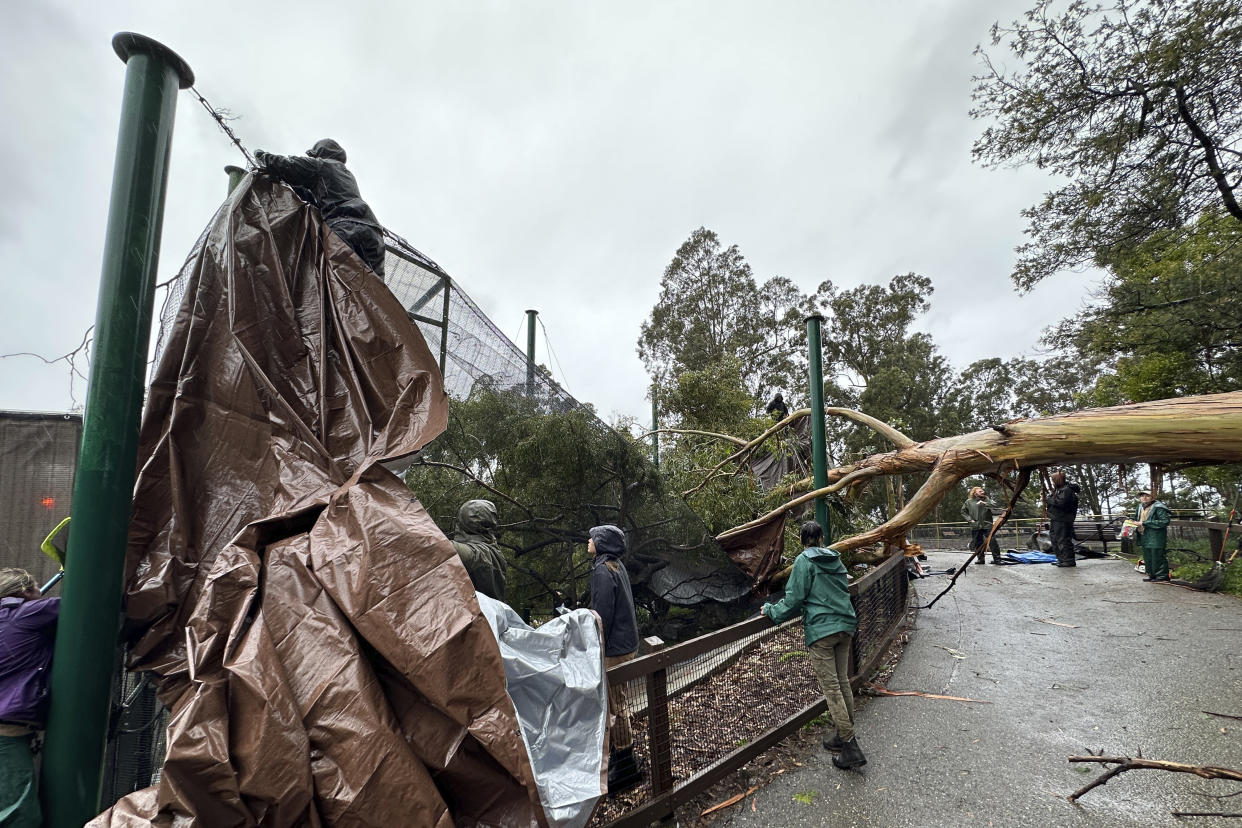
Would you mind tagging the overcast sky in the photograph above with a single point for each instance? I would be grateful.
(551, 155)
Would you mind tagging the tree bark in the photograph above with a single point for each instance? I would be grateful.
(1196, 430)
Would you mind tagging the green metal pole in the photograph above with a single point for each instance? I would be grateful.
(90, 614)
(655, 426)
(819, 446)
(236, 174)
(530, 351)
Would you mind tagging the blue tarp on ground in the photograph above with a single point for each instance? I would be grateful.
(1029, 557)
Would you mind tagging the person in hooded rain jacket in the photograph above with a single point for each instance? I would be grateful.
(475, 543)
(1153, 518)
(977, 511)
(27, 635)
(613, 600)
(323, 179)
(819, 590)
(1062, 509)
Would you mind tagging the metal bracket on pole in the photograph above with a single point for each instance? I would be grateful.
(90, 612)
(819, 445)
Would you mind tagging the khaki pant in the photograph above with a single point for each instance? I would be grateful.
(619, 732)
(831, 658)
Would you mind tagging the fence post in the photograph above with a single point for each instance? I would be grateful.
(85, 652)
(819, 447)
(444, 325)
(659, 739)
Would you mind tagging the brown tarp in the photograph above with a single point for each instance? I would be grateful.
(757, 551)
(315, 637)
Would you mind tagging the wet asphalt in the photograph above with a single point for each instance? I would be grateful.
(1133, 671)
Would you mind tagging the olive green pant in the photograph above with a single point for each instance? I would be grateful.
(1155, 562)
(831, 658)
(19, 798)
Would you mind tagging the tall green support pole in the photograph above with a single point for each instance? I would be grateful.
(655, 426)
(86, 636)
(235, 174)
(530, 352)
(819, 446)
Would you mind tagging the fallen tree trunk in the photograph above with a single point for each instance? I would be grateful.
(1189, 430)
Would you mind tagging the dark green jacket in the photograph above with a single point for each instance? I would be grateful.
(819, 589)
(1155, 528)
(475, 544)
(978, 513)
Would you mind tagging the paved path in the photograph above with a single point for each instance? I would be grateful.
(1141, 663)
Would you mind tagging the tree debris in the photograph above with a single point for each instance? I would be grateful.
(884, 691)
(1128, 763)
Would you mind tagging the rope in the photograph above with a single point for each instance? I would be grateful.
(222, 117)
(548, 342)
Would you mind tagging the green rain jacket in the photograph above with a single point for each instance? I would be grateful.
(818, 588)
(475, 543)
(1155, 528)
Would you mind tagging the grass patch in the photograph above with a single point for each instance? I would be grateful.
(792, 654)
(806, 797)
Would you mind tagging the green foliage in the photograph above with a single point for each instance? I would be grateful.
(806, 797)
(1135, 104)
(553, 474)
(793, 655)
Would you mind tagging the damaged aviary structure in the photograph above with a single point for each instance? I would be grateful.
(318, 644)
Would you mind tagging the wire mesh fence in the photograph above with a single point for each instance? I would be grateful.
(38, 454)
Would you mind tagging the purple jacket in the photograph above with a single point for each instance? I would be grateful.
(27, 632)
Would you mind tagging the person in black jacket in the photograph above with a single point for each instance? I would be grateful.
(613, 601)
(1062, 509)
(323, 179)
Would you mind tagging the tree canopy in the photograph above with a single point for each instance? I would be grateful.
(1137, 105)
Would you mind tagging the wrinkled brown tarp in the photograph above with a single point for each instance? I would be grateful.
(313, 633)
(757, 551)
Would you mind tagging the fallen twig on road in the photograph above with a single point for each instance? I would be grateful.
(1056, 623)
(733, 800)
(1223, 715)
(884, 691)
(1128, 763)
(1206, 813)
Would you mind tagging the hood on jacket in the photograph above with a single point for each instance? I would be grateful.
(609, 540)
(829, 560)
(477, 517)
(327, 148)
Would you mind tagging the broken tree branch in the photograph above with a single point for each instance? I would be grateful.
(1128, 763)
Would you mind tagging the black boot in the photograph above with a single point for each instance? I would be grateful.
(851, 756)
(997, 559)
(624, 771)
(834, 743)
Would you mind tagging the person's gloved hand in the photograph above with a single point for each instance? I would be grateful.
(764, 610)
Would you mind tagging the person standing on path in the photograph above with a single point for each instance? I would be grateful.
(613, 600)
(978, 512)
(1153, 519)
(819, 590)
(1062, 510)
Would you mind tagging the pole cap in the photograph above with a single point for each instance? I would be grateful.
(532, 310)
(818, 316)
(126, 44)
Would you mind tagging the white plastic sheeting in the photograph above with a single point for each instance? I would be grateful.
(555, 676)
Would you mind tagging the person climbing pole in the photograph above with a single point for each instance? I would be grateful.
(323, 179)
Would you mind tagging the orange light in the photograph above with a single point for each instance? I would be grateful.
(48, 502)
